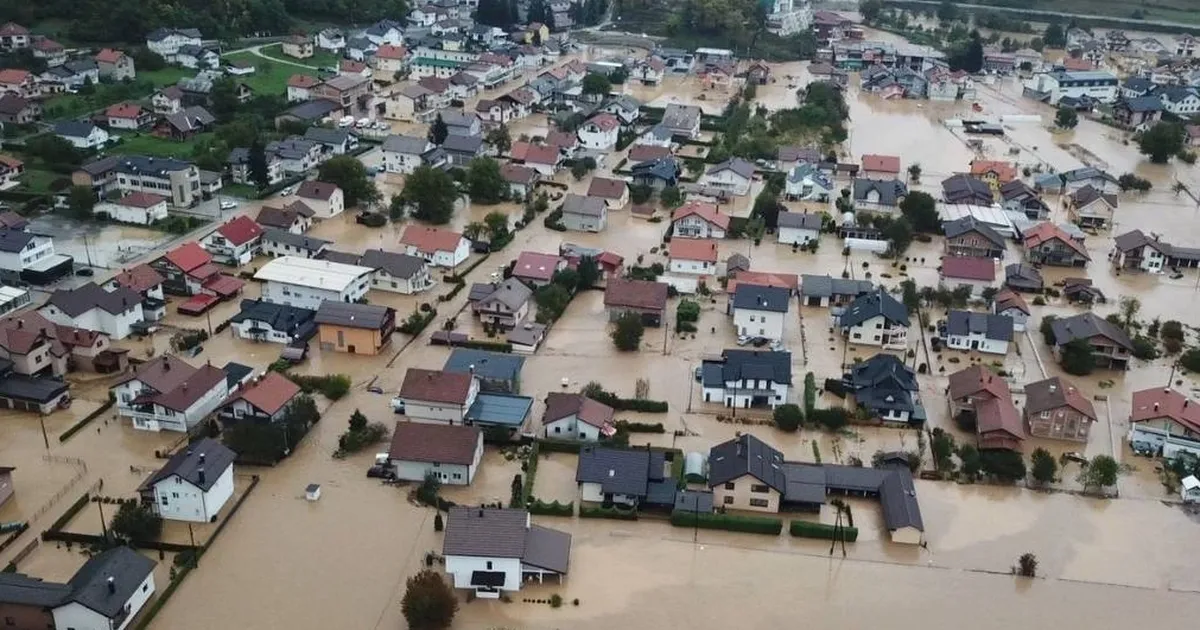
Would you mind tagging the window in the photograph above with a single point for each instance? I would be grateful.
(728, 500)
(145, 587)
(759, 488)
(489, 565)
(174, 495)
(762, 503)
(458, 475)
(436, 465)
(729, 485)
(857, 335)
(1045, 415)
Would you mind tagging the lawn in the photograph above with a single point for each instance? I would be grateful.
(146, 144)
(270, 77)
(169, 75)
(321, 58)
(38, 181)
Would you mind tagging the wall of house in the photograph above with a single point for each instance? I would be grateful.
(693, 226)
(963, 342)
(1018, 316)
(570, 428)
(759, 323)
(1063, 423)
(354, 340)
(907, 536)
(384, 281)
(80, 617)
(311, 297)
(461, 567)
(739, 496)
(582, 223)
(448, 474)
(977, 286)
(727, 180)
(871, 331)
(697, 267)
(177, 500)
(797, 236)
(434, 413)
(241, 330)
(25, 617)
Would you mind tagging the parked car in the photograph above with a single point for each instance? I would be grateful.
(380, 471)
(86, 272)
(228, 205)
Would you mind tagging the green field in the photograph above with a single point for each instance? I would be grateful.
(169, 75)
(38, 181)
(146, 144)
(321, 59)
(1182, 11)
(270, 77)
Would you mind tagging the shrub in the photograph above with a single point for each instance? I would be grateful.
(730, 522)
(788, 417)
(553, 508)
(428, 601)
(809, 529)
(597, 393)
(556, 601)
(640, 427)
(547, 445)
(831, 419)
(614, 513)
(810, 394)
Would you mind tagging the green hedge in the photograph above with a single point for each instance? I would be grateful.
(809, 529)
(553, 508)
(730, 522)
(547, 445)
(614, 513)
(494, 346)
(78, 426)
(810, 394)
(641, 427)
(629, 404)
(530, 472)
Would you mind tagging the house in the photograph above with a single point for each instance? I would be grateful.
(14, 37)
(644, 297)
(614, 192)
(1164, 420)
(697, 219)
(626, 108)
(267, 400)
(1111, 346)
(1139, 113)
(451, 453)
(18, 82)
(333, 141)
(584, 214)
(806, 182)
(354, 328)
(658, 173)
(1056, 409)
(115, 65)
(396, 272)
(973, 385)
(108, 591)
(1011, 305)
(967, 189)
(299, 87)
(1088, 176)
(236, 242)
(825, 291)
(195, 483)
(167, 394)
(134, 173)
(733, 176)
(81, 135)
(1134, 251)
(497, 372)
(682, 120)
(138, 208)
(1180, 100)
(876, 166)
(521, 180)
(298, 46)
(277, 242)
(307, 283)
(436, 397)
(875, 319)
(746, 474)
(537, 269)
(505, 305)
(489, 550)
(311, 112)
(10, 169)
(127, 116)
(639, 153)
(167, 41)
(345, 90)
(526, 338)
(1052, 87)
(147, 283)
(629, 478)
(599, 133)
(294, 218)
(649, 70)
(325, 199)
(403, 154)
(1019, 196)
(760, 311)
(185, 269)
(1081, 291)
(35, 346)
(799, 228)
(878, 195)
(19, 111)
(693, 256)
(963, 271)
(1048, 244)
(296, 155)
(970, 237)
(1090, 208)
(6, 493)
(1023, 277)
(90, 307)
(460, 150)
(29, 257)
(984, 332)
(887, 389)
(441, 248)
(543, 158)
(259, 320)
(996, 173)
(742, 379)
(167, 101)
(385, 31)
(576, 417)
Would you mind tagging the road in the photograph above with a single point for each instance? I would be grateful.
(257, 52)
(1041, 13)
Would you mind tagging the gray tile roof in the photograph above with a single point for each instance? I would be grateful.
(993, 327)
(826, 286)
(502, 410)
(961, 226)
(327, 136)
(1023, 275)
(485, 532)
(463, 144)
(496, 366)
(965, 188)
(619, 471)
(394, 263)
(739, 364)
(127, 568)
(737, 165)
(746, 455)
(283, 237)
(280, 317)
(73, 128)
(883, 382)
(889, 191)
(760, 298)
(800, 220)
(678, 117)
(206, 457)
(1088, 325)
(14, 240)
(547, 549)
(512, 293)
(353, 315)
(407, 145)
(870, 305)
(75, 302)
(587, 206)
(20, 589)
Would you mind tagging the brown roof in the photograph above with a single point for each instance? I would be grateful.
(975, 380)
(998, 416)
(192, 389)
(1159, 402)
(534, 153)
(436, 386)
(434, 443)
(277, 217)
(124, 110)
(647, 152)
(430, 239)
(1044, 232)
(707, 211)
(562, 139)
(606, 188)
(536, 265)
(108, 55)
(1007, 298)
(704, 249)
(969, 267)
(161, 373)
(789, 281)
(313, 189)
(640, 294)
(141, 278)
(560, 405)
(1056, 392)
(302, 81)
(517, 174)
(138, 199)
(881, 163)
(270, 394)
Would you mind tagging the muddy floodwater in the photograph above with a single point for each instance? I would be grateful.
(341, 562)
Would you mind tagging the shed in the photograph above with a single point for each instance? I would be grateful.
(312, 492)
(694, 465)
(1189, 489)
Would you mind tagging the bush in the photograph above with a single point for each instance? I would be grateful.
(547, 445)
(640, 427)
(553, 508)
(614, 513)
(428, 601)
(416, 322)
(331, 386)
(832, 419)
(136, 522)
(1144, 348)
(493, 346)
(788, 417)
(809, 529)
(810, 394)
(730, 522)
(355, 440)
(597, 393)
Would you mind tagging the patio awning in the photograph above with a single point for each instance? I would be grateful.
(198, 304)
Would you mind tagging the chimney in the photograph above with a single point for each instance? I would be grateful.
(1156, 407)
(20, 323)
(166, 364)
(201, 457)
(112, 585)
(200, 474)
(481, 511)
(1053, 387)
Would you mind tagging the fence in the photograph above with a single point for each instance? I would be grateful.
(80, 473)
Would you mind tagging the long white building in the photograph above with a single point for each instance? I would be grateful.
(305, 282)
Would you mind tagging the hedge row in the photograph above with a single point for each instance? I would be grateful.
(641, 427)
(729, 522)
(494, 346)
(809, 529)
(614, 513)
(78, 426)
(547, 445)
(66, 517)
(629, 404)
(553, 508)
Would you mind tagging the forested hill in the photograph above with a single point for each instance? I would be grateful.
(130, 20)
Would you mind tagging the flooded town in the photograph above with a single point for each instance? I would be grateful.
(457, 319)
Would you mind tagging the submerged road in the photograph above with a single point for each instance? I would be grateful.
(1043, 13)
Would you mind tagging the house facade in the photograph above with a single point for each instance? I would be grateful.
(747, 378)
(193, 485)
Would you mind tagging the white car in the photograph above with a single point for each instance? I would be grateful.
(286, 191)
(228, 205)
(346, 121)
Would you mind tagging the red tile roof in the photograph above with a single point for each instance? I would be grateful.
(388, 51)
(108, 55)
(969, 268)
(12, 28)
(302, 81)
(606, 188)
(1007, 298)
(123, 110)
(647, 152)
(270, 394)
(12, 76)
(693, 249)
(881, 163)
(140, 199)
(998, 424)
(536, 266)
(588, 411)
(1044, 232)
(606, 122)
(517, 174)
(430, 239)
(47, 45)
(188, 256)
(639, 294)
(436, 386)
(1004, 171)
(534, 153)
(1158, 402)
(241, 230)
(975, 380)
(351, 66)
(788, 281)
(434, 443)
(141, 278)
(707, 211)
(562, 139)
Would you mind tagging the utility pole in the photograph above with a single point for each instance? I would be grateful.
(42, 420)
(103, 523)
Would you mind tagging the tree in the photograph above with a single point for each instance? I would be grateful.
(499, 139)
(588, 272)
(1066, 118)
(914, 172)
(899, 233)
(1002, 464)
(80, 201)
(551, 301)
(1129, 309)
(920, 208)
(224, 98)
(672, 197)
(53, 150)
(396, 208)
(497, 226)
(438, 130)
(136, 522)
(358, 421)
(870, 10)
(485, 184)
(1045, 467)
(1099, 473)
(1162, 141)
(582, 167)
(1047, 329)
(968, 55)
(431, 194)
(1055, 36)
(947, 12)
(474, 230)
(259, 172)
(595, 84)
(429, 603)
(788, 417)
(627, 335)
(1077, 357)
(1027, 565)
(972, 463)
(349, 174)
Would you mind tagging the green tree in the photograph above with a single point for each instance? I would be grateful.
(870, 10)
(349, 174)
(224, 99)
(972, 462)
(358, 421)
(497, 226)
(1055, 36)
(1045, 467)
(1099, 473)
(53, 150)
(1066, 118)
(899, 233)
(474, 230)
(1002, 464)
(438, 130)
(499, 139)
(588, 272)
(788, 417)
(582, 167)
(396, 208)
(920, 208)
(259, 171)
(595, 84)
(485, 184)
(80, 201)
(431, 194)
(551, 301)
(1078, 358)
(136, 522)
(968, 55)
(672, 197)
(429, 603)
(627, 335)
(1047, 329)
(1162, 141)
(1130, 306)
(947, 12)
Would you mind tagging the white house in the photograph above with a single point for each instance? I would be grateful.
(325, 199)
(82, 135)
(1051, 87)
(600, 132)
(137, 207)
(1134, 250)
(733, 176)
(693, 256)
(875, 319)
(985, 332)
(1010, 304)
(967, 271)
(167, 41)
(194, 484)
(304, 282)
(441, 248)
(236, 242)
(697, 219)
(402, 154)
(277, 242)
(108, 592)
(1181, 101)
(576, 417)
(331, 39)
(747, 378)
(275, 323)
(449, 452)
(806, 182)
(436, 397)
(798, 228)
(760, 311)
(91, 307)
(396, 272)
(166, 394)
(490, 550)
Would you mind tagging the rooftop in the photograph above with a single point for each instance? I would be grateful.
(435, 443)
(311, 273)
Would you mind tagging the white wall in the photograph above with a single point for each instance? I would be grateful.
(186, 502)
(867, 334)
(729, 398)
(570, 428)
(311, 297)
(728, 180)
(435, 413)
(241, 331)
(117, 326)
(461, 567)
(800, 236)
(963, 342)
(698, 267)
(384, 281)
(80, 617)
(754, 323)
(448, 474)
(693, 226)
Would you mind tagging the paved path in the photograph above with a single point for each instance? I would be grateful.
(257, 51)
(1062, 14)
